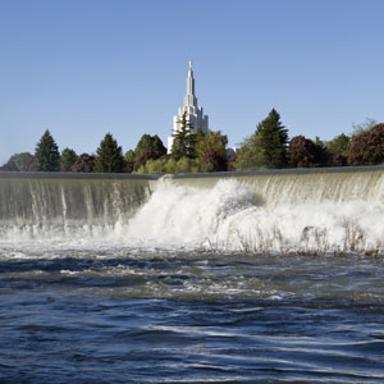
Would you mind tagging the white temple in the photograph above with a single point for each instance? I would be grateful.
(194, 114)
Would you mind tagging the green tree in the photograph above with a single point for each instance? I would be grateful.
(338, 149)
(170, 165)
(129, 158)
(184, 140)
(47, 154)
(322, 152)
(22, 162)
(367, 147)
(67, 159)
(211, 152)
(267, 147)
(148, 148)
(109, 157)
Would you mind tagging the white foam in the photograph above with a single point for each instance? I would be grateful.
(224, 218)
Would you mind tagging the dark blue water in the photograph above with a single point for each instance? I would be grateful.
(124, 316)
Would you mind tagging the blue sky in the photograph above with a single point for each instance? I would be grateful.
(84, 67)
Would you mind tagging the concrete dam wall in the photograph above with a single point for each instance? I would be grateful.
(281, 211)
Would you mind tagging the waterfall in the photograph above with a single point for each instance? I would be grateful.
(293, 211)
(40, 205)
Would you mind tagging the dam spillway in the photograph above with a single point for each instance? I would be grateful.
(297, 186)
(283, 211)
(38, 204)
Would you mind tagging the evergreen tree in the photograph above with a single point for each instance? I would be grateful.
(67, 159)
(109, 157)
(184, 140)
(267, 147)
(323, 155)
(47, 154)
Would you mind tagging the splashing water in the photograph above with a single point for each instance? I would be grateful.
(129, 280)
(272, 215)
(228, 218)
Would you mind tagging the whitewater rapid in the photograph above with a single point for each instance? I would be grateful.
(228, 217)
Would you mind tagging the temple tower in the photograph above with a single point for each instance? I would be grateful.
(194, 114)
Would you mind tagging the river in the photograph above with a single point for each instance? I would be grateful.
(242, 278)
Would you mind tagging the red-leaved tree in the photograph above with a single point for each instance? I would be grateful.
(367, 147)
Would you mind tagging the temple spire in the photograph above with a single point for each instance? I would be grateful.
(190, 80)
(190, 98)
(190, 109)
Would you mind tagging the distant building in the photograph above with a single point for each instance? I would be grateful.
(194, 114)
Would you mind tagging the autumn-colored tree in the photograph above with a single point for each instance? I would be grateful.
(9, 166)
(22, 162)
(367, 147)
(303, 153)
(84, 163)
(366, 125)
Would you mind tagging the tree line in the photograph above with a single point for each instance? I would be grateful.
(269, 147)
